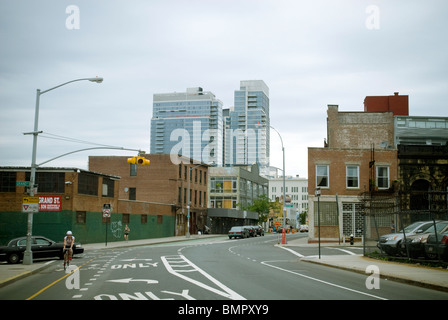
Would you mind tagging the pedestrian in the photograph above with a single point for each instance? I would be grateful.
(392, 227)
(126, 233)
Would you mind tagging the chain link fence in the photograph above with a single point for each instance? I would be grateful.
(384, 213)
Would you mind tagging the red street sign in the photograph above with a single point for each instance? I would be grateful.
(106, 213)
(50, 203)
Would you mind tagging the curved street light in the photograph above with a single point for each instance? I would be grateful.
(284, 190)
(28, 254)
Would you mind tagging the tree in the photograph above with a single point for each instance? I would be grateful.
(303, 216)
(261, 205)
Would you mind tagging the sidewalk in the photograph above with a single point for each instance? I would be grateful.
(434, 278)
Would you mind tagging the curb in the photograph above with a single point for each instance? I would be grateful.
(385, 276)
(25, 274)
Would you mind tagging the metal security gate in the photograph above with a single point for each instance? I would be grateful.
(352, 220)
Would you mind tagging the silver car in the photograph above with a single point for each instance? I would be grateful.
(390, 243)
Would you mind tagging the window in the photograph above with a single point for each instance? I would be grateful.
(42, 242)
(144, 219)
(88, 184)
(132, 194)
(8, 182)
(81, 217)
(133, 170)
(159, 219)
(108, 187)
(322, 179)
(352, 177)
(49, 181)
(382, 174)
(125, 218)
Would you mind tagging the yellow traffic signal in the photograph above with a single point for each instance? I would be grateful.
(132, 160)
(138, 160)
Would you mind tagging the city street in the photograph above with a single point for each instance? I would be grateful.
(207, 269)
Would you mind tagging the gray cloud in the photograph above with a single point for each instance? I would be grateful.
(310, 53)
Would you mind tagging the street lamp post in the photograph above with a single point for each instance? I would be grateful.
(28, 254)
(284, 189)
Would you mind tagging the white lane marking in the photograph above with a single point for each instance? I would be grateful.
(228, 293)
(290, 250)
(322, 281)
(346, 251)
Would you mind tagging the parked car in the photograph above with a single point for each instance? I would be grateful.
(415, 244)
(258, 230)
(435, 247)
(40, 246)
(303, 228)
(252, 231)
(390, 243)
(238, 232)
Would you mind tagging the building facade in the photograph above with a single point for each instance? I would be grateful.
(232, 190)
(358, 157)
(73, 199)
(188, 123)
(421, 130)
(296, 189)
(247, 138)
(163, 183)
(296, 193)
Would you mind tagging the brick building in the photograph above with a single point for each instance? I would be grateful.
(358, 155)
(162, 183)
(71, 199)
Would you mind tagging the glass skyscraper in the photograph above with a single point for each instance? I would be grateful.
(247, 132)
(189, 124)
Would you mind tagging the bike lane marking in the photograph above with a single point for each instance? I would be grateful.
(180, 262)
(65, 276)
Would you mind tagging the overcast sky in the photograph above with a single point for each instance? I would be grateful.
(310, 53)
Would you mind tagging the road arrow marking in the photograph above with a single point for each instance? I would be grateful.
(134, 280)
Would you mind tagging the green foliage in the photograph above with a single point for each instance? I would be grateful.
(262, 205)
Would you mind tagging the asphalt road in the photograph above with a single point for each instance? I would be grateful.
(209, 269)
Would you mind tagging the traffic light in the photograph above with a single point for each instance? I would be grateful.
(138, 160)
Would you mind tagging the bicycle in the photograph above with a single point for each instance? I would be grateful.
(66, 258)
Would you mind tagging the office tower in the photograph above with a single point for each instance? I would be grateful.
(247, 139)
(189, 124)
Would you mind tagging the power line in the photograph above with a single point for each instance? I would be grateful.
(73, 140)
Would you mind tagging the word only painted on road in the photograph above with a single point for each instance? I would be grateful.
(134, 265)
(148, 295)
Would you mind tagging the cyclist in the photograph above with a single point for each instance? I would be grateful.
(69, 240)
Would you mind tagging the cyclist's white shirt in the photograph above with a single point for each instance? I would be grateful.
(68, 242)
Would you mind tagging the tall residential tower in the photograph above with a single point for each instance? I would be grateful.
(189, 124)
(247, 139)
